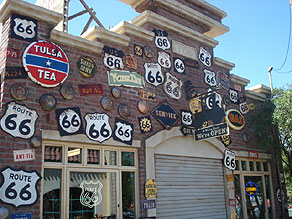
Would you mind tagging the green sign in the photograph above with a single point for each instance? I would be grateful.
(86, 66)
(125, 78)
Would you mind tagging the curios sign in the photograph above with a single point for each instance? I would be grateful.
(229, 159)
(24, 28)
(153, 74)
(19, 120)
(161, 40)
(46, 63)
(234, 119)
(113, 58)
(172, 86)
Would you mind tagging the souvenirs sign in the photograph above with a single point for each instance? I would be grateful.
(131, 62)
(210, 77)
(91, 193)
(179, 65)
(165, 114)
(186, 117)
(211, 131)
(125, 78)
(86, 66)
(172, 86)
(15, 73)
(123, 131)
(153, 74)
(97, 126)
(205, 57)
(251, 189)
(24, 28)
(113, 58)
(161, 40)
(234, 119)
(19, 188)
(229, 159)
(13, 53)
(19, 120)
(90, 89)
(138, 50)
(150, 189)
(145, 124)
(46, 63)
(147, 95)
(164, 59)
(23, 155)
(69, 121)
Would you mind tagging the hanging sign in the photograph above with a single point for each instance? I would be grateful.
(69, 121)
(145, 124)
(90, 89)
(195, 105)
(164, 59)
(172, 86)
(191, 63)
(243, 108)
(131, 62)
(46, 63)
(86, 66)
(186, 117)
(125, 78)
(147, 95)
(138, 50)
(211, 131)
(210, 78)
(253, 155)
(229, 159)
(223, 80)
(233, 95)
(15, 73)
(123, 131)
(161, 40)
(150, 189)
(148, 204)
(165, 114)
(226, 140)
(153, 74)
(113, 58)
(251, 189)
(13, 53)
(213, 99)
(24, 28)
(21, 216)
(91, 193)
(97, 126)
(23, 155)
(205, 57)
(179, 65)
(19, 188)
(234, 119)
(187, 130)
(19, 120)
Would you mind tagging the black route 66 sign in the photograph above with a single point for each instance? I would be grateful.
(123, 131)
(69, 121)
(24, 28)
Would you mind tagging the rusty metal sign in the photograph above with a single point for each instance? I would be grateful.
(131, 62)
(90, 89)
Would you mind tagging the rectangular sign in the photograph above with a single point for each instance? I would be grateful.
(125, 78)
(23, 155)
(253, 155)
(191, 63)
(148, 204)
(184, 50)
(13, 53)
(230, 178)
(90, 89)
(147, 95)
(211, 131)
(15, 73)
(21, 216)
(231, 202)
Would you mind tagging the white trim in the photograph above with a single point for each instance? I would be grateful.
(239, 80)
(255, 96)
(223, 63)
(261, 89)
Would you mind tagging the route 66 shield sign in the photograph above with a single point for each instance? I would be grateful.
(229, 160)
(91, 193)
(19, 120)
(161, 40)
(153, 74)
(210, 77)
(233, 95)
(172, 86)
(123, 131)
(97, 126)
(243, 107)
(164, 59)
(205, 57)
(19, 187)
(24, 28)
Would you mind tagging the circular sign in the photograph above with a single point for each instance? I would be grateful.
(234, 119)
(46, 63)
(86, 66)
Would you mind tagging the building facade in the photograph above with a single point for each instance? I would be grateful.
(139, 121)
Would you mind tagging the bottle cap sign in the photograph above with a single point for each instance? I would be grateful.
(46, 63)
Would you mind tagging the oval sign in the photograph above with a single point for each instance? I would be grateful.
(46, 63)
(234, 119)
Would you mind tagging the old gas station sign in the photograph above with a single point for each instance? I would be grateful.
(150, 189)
(251, 189)
(46, 63)
(86, 66)
(165, 114)
(234, 119)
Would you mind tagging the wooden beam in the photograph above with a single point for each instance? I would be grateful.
(78, 14)
(91, 13)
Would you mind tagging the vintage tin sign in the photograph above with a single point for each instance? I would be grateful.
(23, 155)
(123, 131)
(186, 117)
(19, 120)
(21, 216)
(19, 187)
(211, 131)
(15, 73)
(251, 189)
(69, 121)
(147, 95)
(90, 89)
(205, 57)
(165, 114)
(97, 126)
(125, 78)
(223, 79)
(24, 28)
(243, 108)
(187, 130)
(164, 59)
(145, 124)
(86, 66)
(153, 74)
(226, 140)
(13, 53)
(138, 50)
(172, 86)
(161, 40)
(113, 58)
(148, 204)
(233, 95)
(210, 78)
(195, 105)
(131, 62)
(234, 119)
(91, 193)
(46, 63)
(229, 159)
(179, 65)
(229, 178)
(253, 155)
(150, 189)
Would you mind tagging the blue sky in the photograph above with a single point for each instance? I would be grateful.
(257, 39)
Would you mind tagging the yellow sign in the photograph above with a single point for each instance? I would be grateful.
(233, 215)
(150, 189)
(195, 105)
(230, 178)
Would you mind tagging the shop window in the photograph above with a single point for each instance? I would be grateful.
(266, 166)
(258, 165)
(128, 198)
(53, 154)
(251, 166)
(243, 165)
(93, 156)
(128, 158)
(74, 155)
(110, 158)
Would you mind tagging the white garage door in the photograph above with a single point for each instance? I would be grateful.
(189, 187)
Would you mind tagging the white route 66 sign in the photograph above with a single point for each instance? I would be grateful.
(24, 28)
(209, 99)
(229, 159)
(162, 42)
(179, 65)
(186, 117)
(210, 77)
(113, 62)
(233, 95)
(164, 59)
(97, 126)
(19, 187)
(153, 74)
(123, 131)
(19, 120)
(205, 57)
(172, 86)
(243, 107)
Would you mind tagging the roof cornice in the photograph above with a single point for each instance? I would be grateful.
(239, 80)
(222, 63)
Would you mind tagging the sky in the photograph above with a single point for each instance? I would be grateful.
(258, 36)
